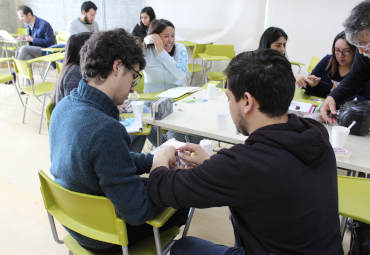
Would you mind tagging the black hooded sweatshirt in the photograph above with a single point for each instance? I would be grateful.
(280, 185)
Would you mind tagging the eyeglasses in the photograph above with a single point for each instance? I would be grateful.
(345, 52)
(136, 80)
(364, 47)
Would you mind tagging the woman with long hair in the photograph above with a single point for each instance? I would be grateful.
(147, 15)
(70, 74)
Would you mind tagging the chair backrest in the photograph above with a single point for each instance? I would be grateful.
(353, 197)
(49, 110)
(58, 67)
(199, 48)
(91, 216)
(23, 69)
(140, 87)
(220, 50)
(21, 31)
(313, 62)
(62, 36)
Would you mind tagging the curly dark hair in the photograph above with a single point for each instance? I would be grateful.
(103, 48)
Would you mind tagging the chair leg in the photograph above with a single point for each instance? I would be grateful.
(125, 250)
(157, 240)
(25, 108)
(42, 112)
(19, 95)
(188, 221)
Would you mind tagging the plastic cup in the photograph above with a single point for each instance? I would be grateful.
(137, 108)
(222, 117)
(339, 135)
(211, 91)
(207, 146)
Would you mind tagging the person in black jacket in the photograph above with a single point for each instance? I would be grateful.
(147, 15)
(357, 29)
(280, 185)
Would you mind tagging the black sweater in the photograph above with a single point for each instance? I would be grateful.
(139, 32)
(354, 81)
(281, 187)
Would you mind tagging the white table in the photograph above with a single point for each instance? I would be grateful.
(200, 118)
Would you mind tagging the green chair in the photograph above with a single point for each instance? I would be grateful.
(49, 110)
(353, 198)
(313, 62)
(62, 37)
(38, 90)
(95, 217)
(216, 53)
(9, 77)
(298, 64)
(193, 67)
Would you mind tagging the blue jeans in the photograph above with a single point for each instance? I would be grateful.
(196, 246)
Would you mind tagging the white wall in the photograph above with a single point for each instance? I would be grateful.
(235, 22)
(311, 25)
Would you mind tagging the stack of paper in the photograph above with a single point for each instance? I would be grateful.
(178, 92)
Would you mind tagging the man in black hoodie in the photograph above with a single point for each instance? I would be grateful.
(280, 185)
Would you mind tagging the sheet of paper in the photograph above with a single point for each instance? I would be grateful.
(132, 125)
(178, 92)
(301, 107)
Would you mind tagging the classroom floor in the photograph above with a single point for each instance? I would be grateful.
(24, 224)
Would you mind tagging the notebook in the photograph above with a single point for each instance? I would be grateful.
(5, 36)
(301, 107)
(178, 92)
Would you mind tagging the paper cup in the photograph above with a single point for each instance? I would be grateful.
(339, 135)
(211, 91)
(137, 108)
(207, 146)
(222, 118)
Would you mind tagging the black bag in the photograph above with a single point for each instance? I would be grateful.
(360, 239)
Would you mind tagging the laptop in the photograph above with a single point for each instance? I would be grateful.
(6, 37)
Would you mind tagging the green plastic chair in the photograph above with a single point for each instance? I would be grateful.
(62, 37)
(313, 62)
(49, 110)
(95, 217)
(40, 90)
(217, 53)
(353, 198)
(9, 77)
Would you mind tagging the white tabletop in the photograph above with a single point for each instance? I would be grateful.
(200, 118)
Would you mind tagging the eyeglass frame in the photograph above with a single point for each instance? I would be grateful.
(364, 47)
(343, 52)
(137, 79)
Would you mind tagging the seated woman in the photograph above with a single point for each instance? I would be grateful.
(147, 15)
(275, 38)
(166, 66)
(70, 75)
(332, 69)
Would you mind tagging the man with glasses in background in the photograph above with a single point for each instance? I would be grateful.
(89, 147)
(357, 29)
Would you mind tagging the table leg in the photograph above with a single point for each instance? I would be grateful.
(159, 136)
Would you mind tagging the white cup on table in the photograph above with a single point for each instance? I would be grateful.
(222, 117)
(211, 91)
(137, 109)
(339, 135)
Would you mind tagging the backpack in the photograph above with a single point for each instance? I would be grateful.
(360, 239)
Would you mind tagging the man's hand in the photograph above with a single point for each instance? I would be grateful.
(158, 43)
(312, 80)
(22, 37)
(166, 157)
(193, 154)
(121, 108)
(300, 81)
(29, 38)
(328, 109)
